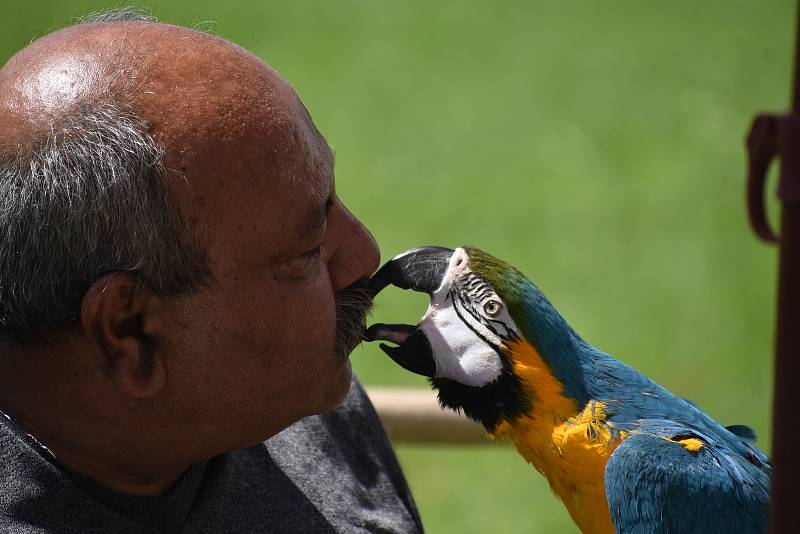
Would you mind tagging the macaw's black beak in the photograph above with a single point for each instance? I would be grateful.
(421, 269)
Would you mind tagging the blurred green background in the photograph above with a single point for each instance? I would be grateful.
(597, 146)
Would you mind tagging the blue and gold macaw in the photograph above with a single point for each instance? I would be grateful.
(621, 452)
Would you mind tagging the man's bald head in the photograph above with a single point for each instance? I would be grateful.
(110, 135)
(57, 76)
(178, 80)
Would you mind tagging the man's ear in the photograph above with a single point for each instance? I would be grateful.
(126, 326)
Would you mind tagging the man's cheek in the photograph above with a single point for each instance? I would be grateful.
(317, 312)
(318, 318)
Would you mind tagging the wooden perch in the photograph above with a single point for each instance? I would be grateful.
(414, 415)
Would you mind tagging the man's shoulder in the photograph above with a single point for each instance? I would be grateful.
(334, 472)
(345, 464)
(35, 494)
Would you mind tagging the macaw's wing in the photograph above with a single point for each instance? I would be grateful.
(684, 483)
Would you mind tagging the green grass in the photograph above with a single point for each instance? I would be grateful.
(597, 146)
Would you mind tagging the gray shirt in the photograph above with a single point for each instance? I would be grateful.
(335, 472)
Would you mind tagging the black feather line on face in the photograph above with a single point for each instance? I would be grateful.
(473, 290)
(483, 293)
(466, 305)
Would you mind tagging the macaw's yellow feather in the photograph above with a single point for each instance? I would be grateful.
(568, 445)
(690, 444)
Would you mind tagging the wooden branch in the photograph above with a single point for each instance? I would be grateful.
(414, 415)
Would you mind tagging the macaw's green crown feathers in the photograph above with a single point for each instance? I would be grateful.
(510, 284)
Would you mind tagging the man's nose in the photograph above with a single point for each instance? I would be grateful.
(356, 254)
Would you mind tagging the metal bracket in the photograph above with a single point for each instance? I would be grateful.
(771, 136)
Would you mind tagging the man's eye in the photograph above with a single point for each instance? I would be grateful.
(313, 253)
(304, 265)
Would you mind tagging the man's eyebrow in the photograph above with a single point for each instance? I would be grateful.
(319, 216)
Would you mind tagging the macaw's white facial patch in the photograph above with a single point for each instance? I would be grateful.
(460, 354)
(461, 344)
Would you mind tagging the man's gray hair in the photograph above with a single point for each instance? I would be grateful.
(120, 14)
(87, 196)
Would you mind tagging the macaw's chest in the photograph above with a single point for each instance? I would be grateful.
(572, 455)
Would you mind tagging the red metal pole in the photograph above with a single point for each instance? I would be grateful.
(779, 135)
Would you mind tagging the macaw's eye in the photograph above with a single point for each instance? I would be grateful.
(492, 307)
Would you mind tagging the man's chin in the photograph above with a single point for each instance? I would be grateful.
(339, 386)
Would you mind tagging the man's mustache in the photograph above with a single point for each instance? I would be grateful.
(353, 305)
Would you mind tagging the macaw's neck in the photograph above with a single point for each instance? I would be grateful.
(552, 359)
(546, 391)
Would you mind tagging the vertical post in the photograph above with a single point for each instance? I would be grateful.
(786, 418)
(779, 135)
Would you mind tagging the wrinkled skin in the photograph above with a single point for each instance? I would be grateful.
(238, 361)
